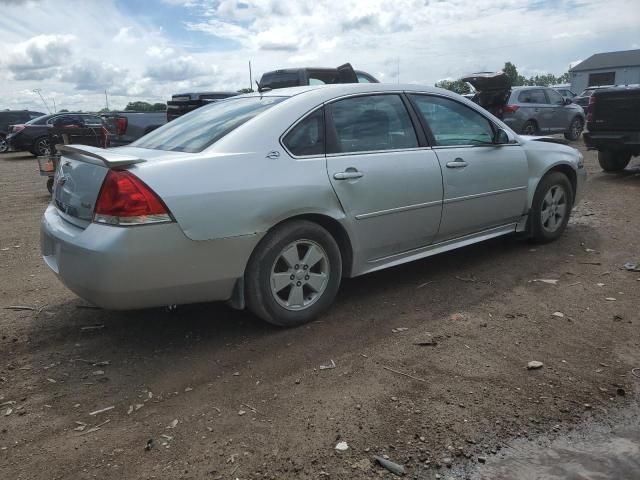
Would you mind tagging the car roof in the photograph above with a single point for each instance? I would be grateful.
(340, 89)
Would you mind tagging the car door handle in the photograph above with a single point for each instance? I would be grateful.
(347, 175)
(457, 163)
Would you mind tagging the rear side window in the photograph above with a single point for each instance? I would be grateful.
(453, 123)
(532, 96)
(204, 126)
(307, 137)
(372, 123)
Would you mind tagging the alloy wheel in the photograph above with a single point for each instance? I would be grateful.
(554, 208)
(576, 129)
(299, 275)
(529, 129)
(43, 147)
(4, 145)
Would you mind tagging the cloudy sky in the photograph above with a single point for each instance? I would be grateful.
(147, 50)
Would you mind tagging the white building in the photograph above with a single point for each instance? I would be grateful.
(611, 68)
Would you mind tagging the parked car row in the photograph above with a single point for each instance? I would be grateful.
(527, 110)
(8, 118)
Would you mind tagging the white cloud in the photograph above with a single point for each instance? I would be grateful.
(76, 50)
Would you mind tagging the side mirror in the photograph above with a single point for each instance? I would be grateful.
(567, 101)
(501, 137)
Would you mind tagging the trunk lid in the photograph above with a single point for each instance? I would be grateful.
(492, 90)
(79, 177)
(616, 109)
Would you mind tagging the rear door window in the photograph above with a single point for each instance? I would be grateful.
(452, 123)
(307, 137)
(203, 127)
(372, 123)
(535, 95)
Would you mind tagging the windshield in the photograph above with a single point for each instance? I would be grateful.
(197, 130)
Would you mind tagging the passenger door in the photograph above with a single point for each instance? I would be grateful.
(560, 120)
(388, 184)
(485, 185)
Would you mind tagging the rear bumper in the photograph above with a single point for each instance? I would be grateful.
(139, 267)
(17, 143)
(612, 140)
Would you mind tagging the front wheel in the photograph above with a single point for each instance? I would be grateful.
(613, 161)
(294, 274)
(575, 130)
(551, 207)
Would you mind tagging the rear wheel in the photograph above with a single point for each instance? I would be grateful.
(613, 161)
(575, 130)
(41, 146)
(4, 145)
(530, 128)
(294, 274)
(551, 207)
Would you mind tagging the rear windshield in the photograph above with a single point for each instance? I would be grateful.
(204, 126)
(38, 120)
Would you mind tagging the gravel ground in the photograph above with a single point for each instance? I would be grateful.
(207, 392)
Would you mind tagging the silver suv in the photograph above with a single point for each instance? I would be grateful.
(528, 110)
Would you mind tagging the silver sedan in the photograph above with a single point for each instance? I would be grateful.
(269, 200)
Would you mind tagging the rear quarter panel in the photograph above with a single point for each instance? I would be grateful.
(233, 189)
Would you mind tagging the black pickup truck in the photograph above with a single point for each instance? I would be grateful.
(613, 126)
(182, 103)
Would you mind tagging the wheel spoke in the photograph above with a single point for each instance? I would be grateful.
(280, 281)
(317, 281)
(296, 297)
(545, 216)
(552, 222)
(561, 210)
(291, 256)
(548, 198)
(313, 256)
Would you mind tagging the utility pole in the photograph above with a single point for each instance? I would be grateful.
(250, 77)
(106, 99)
(38, 90)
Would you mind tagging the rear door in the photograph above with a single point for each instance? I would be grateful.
(388, 182)
(485, 185)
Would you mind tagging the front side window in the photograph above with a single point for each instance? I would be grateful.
(307, 137)
(453, 123)
(371, 123)
(363, 78)
(204, 126)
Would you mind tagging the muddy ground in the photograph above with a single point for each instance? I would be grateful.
(208, 392)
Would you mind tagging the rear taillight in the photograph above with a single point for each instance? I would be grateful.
(17, 128)
(124, 199)
(121, 125)
(510, 108)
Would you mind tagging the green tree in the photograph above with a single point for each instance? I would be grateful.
(103, 110)
(245, 90)
(512, 72)
(145, 107)
(457, 86)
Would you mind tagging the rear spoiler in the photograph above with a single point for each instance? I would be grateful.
(99, 156)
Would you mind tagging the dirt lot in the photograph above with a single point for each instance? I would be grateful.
(215, 393)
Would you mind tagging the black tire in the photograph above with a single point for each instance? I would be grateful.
(613, 161)
(575, 129)
(530, 127)
(4, 145)
(41, 146)
(50, 184)
(541, 228)
(266, 258)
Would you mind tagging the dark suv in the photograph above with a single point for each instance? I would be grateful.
(34, 134)
(8, 118)
(295, 77)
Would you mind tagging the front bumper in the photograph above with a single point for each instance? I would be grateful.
(122, 268)
(581, 181)
(16, 143)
